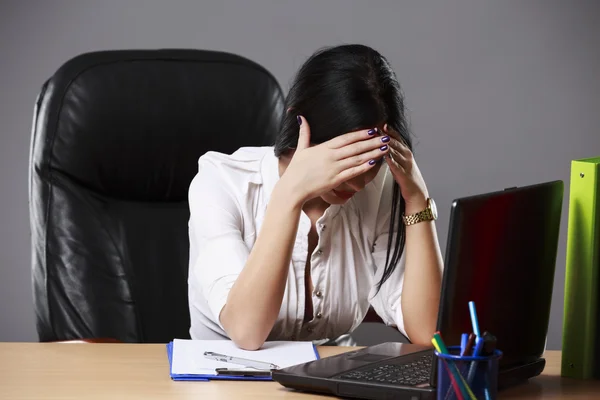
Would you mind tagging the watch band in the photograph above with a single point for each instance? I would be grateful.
(428, 214)
(421, 216)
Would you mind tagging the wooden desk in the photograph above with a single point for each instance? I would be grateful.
(140, 371)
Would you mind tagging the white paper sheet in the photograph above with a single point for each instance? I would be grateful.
(188, 355)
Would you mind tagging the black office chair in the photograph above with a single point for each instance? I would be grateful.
(115, 143)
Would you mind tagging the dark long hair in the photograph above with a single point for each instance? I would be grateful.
(342, 89)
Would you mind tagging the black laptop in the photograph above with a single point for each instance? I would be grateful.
(501, 254)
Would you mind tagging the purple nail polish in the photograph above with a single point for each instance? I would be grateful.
(299, 120)
(385, 139)
(372, 162)
(372, 131)
(383, 148)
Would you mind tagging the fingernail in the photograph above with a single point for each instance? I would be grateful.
(385, 139)
(372, 162)
(299, 120)
(383, 148)
(372, 131)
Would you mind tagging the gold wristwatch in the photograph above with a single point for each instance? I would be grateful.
(428, 214)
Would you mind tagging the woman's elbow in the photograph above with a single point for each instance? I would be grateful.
(420, 339)
(247, 340)
(420, 334)
(244, 334)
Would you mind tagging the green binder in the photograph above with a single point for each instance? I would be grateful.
(581, 324)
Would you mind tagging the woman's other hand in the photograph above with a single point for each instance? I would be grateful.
(406, 172)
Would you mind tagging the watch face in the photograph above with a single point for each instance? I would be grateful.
(433, 208)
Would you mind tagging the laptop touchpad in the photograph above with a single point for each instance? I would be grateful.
(369, 357)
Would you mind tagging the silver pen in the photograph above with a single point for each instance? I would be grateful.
(240, 361)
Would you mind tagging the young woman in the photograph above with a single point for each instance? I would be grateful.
(296, 241)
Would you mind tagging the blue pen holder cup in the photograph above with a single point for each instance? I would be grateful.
(479, 373)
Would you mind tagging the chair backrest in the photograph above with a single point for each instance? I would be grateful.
(115, 143)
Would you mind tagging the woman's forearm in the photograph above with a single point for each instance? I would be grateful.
(254, 301)
(422, 281)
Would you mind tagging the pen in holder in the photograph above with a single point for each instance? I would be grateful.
(467, 377)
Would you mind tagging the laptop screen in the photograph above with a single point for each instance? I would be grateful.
(501, 254)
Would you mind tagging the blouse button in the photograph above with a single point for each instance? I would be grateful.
(319, 315)
(318, 293)
(309, 329)
(323, 228)
(319, 252)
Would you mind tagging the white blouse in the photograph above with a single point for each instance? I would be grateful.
(228, 199)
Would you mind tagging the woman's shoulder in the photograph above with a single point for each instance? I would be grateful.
(246, 158)
(242, 165)
(223, 177)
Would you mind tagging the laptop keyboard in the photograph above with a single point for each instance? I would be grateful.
(407, 374)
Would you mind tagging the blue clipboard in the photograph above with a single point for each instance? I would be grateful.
(206, 378)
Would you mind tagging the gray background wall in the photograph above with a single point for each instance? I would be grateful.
(501, 93)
